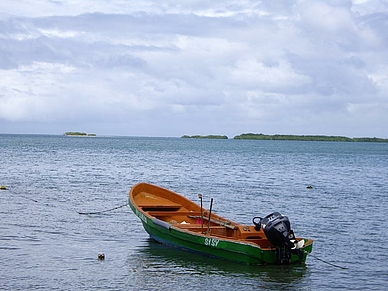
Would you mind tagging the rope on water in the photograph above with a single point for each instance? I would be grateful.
(326, 262)
(22, 196)
(107, 210)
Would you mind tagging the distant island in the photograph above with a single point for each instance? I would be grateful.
(206, 136)
(76, 133)
(260, 136)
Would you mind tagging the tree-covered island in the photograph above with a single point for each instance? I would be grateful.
(77, 133)
(260, 136)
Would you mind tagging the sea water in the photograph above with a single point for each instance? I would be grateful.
(45, 244)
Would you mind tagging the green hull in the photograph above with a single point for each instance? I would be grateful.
(213, 246)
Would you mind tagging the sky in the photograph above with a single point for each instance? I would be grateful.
(168, 68)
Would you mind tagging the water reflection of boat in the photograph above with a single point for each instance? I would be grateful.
(167, 262)
(174, 220)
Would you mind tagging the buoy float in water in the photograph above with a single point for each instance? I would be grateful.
(309, 187)
(3, 188)
(101, 256)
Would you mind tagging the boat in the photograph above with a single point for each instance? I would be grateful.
(176, 221)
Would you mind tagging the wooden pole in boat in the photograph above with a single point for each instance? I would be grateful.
(210, 214)
(200, 197)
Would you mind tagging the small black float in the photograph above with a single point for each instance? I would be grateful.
(101, 256)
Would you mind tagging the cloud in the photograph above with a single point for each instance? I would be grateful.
(198, 67)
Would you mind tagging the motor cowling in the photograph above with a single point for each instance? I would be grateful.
(277, 229)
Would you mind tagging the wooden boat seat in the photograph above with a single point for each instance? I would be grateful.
(173, 213)
(149, 202)
(153, 207)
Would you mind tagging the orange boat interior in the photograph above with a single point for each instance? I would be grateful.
(187, 216)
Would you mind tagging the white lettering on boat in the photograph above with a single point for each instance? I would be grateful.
(213, 242)
(141, 216)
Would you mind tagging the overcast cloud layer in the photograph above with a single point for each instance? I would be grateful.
(168, 68)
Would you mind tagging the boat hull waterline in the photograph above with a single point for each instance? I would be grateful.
(174, 220)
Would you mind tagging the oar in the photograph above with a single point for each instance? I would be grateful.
(210, 214)
(227, 224)
(200, 197)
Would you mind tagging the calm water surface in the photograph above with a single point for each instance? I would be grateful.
(46, 245)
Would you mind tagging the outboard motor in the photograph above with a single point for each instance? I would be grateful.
(277, 229)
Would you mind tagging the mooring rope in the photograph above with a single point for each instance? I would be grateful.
(22, 196)
(107, 210)
(326, 262)
(4, 188)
